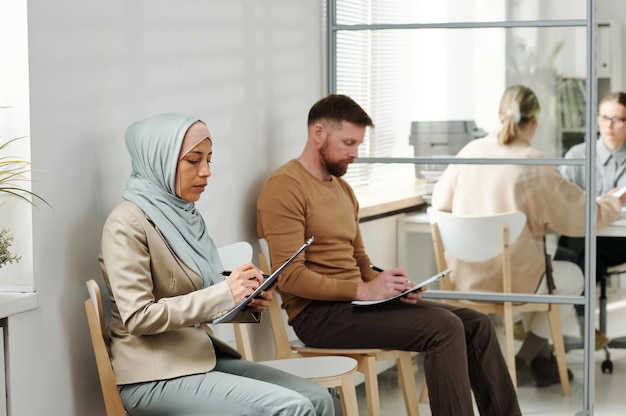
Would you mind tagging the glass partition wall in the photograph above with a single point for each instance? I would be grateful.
(431, 75)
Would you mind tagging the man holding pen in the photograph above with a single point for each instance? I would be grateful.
(307, 196)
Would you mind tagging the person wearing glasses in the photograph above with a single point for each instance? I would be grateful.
(610, 174)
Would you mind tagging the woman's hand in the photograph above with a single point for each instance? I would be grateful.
(243, 280)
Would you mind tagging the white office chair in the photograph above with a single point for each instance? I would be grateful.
(478, 238)
(330, 372)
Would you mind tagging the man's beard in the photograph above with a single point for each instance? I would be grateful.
(334, 168)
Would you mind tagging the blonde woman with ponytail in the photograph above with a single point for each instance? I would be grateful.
(519, 109)
(549, 202)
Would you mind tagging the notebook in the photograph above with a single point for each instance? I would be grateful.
(412, 289)
(267, 283)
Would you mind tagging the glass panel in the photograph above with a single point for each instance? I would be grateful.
(412, 81)
(351, 12)
(431, 91)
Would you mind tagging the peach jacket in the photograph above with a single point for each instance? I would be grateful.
(158, 306)
(541, 192)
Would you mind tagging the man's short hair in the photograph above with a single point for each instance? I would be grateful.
(338, 108)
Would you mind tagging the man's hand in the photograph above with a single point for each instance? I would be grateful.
(388, 283)
(261, 302)
(414, 296)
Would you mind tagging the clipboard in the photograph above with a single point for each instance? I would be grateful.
(267, 283)
(412, 289)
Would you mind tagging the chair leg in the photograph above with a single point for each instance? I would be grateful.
(347, 392)
(407, 381)
(367, 366)
(554, 319)
(510, 342)
(602, 303)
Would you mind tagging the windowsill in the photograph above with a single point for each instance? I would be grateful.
(388, 197)
(15, 303)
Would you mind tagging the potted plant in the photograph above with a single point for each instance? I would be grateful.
(13, 173)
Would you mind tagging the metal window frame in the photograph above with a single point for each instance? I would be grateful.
(588, 299)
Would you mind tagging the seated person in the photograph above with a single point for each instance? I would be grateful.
(162, 272)
(307, 197)
(610, 174)
(547, 199)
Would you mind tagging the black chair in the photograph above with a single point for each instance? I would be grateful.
(620, 342)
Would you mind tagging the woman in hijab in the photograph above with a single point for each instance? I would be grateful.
(162, 272)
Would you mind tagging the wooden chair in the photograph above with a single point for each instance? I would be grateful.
(100, 341)
(366, 357)
(330, 372)
(478, 238)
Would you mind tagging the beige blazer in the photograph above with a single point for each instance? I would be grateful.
(159, 308)
(541, 192)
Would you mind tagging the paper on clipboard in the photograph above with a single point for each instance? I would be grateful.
(619, 192)
(267, 283)
(399, 295)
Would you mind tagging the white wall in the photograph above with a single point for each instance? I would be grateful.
(250, 69)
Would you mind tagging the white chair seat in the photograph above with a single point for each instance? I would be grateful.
(302, 347)
(314, 367)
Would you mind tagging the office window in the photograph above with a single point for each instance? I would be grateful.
(410, 62)
(420, 67)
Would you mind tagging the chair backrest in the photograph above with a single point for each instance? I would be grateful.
(234, 255)
(100, 340)
(476, 238)
(239, 253)
(279, 329)
(96, 299)
(265, 251)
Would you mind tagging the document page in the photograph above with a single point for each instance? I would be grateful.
(263, 286)
(399, 295)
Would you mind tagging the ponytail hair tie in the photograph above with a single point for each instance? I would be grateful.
(514, 113)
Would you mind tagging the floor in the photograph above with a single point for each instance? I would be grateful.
(610, 395)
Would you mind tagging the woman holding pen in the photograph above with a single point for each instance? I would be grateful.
(162, 272)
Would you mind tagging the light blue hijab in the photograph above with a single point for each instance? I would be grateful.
(154, 146)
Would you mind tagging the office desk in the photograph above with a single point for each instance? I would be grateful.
(418, 223)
